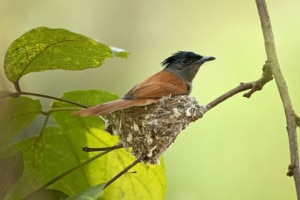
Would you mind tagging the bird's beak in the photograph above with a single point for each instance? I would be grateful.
(204, 59)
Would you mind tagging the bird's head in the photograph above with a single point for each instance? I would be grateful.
(185, 64)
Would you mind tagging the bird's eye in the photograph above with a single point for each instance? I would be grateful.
(184, 61)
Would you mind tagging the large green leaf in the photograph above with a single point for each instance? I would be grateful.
(44, 48)
(59, 149)
(56, 152)
(15, 115)
(148, 183)
(45, 158)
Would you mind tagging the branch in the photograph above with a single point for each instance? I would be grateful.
(19, 93)
(51, 97)
(253, 86)
(291, 117)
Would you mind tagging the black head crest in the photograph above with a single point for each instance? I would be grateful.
(179, 55)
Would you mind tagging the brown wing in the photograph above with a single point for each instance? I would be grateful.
(163, 83)
(112, 106)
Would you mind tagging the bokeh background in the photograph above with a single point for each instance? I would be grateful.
(239, 150)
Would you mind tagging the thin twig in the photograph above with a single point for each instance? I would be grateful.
(75, 168)
(242, 87)
(50, 97)
(291, 117)
(90, 149)
(19, 93)
(70, 171)
(122, 172)
(253, 86)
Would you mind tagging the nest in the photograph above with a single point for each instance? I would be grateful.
(147, 131)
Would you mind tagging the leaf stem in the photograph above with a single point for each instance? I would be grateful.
(17, 86)
(51, 97)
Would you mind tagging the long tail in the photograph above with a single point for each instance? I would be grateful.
(112, 106)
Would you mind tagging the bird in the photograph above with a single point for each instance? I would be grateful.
(175, 79)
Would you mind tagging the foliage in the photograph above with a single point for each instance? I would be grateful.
(48, 163)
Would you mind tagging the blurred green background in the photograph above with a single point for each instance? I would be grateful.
(239, 150)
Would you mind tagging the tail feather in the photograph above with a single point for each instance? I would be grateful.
(112, 106)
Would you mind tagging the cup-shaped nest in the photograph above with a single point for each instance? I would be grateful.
(147, 131)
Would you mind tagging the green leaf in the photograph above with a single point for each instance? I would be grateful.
(59, 149)
(47, 157)
(15, 115)
(51, 155)
(141, 182)
(91, 193)
(11, 169)
(44, 48)
(85, 97)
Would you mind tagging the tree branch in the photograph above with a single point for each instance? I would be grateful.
(253, 86)
(291, 117)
